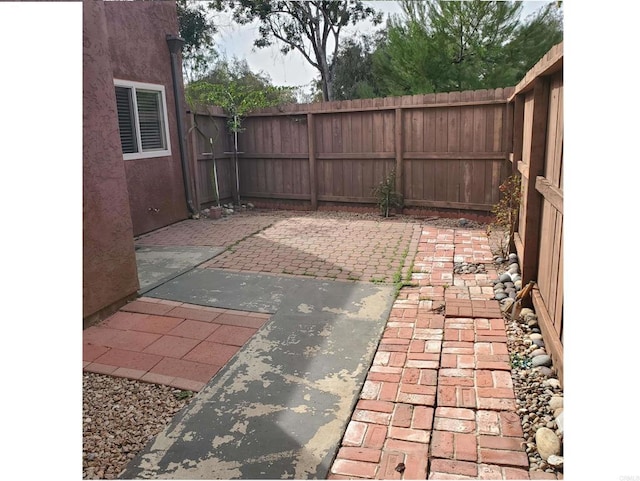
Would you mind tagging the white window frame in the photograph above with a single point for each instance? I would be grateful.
(165, 120)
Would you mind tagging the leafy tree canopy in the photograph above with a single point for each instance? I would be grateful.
(442, 46)
(197, 30)
(354, 77)
(234, 87)
(312, 28)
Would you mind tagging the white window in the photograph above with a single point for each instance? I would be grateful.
(142, 118)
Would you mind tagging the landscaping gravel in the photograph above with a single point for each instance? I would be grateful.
(119, 417)
(539, 396)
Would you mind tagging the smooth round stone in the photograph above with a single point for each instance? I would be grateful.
(547, 442)
(499, 260)
(513, 272)
(538, 352)
(543, 360)
(513, 294)
(498, 291)
(525, 311)
(556, 402)
(513, 257)
(498, 285)
(500, 295)
(509, 284)
(532, 322)
(535, 330)
(544, 370)
(506, 277)
(538, 342)
(555, 461)
(535, 336)
(516, 277)
(517, 283)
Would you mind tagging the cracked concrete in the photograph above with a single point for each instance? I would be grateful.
(287, 394)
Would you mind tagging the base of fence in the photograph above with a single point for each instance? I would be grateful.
(551, 337)
(480, 217)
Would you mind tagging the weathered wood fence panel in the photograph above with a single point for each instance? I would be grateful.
(538, 133)
(448, 150)
(208, 140)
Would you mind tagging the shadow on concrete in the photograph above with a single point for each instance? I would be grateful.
(159, 264)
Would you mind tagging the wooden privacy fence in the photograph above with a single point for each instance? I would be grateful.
(538, 135)
(449, 150)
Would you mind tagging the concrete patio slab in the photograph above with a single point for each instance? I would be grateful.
(158, 264)
(228, 290)
(279, 408)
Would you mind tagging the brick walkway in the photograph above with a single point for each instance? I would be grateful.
(438, 402)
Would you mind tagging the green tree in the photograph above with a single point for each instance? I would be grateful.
(401, 63)
(455, 45)
(354, 77)
(534, 37)
(197, 30)
(312, 28)
(442, 46)
(236, 71)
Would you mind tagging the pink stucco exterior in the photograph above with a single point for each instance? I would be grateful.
(123, 198)
(109, 264)
(139, 52)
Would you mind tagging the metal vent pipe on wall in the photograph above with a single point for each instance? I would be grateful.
(175, 46)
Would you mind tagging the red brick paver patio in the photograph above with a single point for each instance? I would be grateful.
(438, 402)
(325, 247)
(219, 233)
(167, 342)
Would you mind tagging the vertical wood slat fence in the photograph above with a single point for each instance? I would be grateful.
(538, 133)
(208, 140)
(450, 150)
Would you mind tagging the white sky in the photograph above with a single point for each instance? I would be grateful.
(293, 69)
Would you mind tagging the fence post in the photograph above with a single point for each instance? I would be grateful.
(533, 201)
(398, 149)
(313, 185)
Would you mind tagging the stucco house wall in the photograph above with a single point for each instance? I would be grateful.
(124, 198)
(139, 53)
(110, 275)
